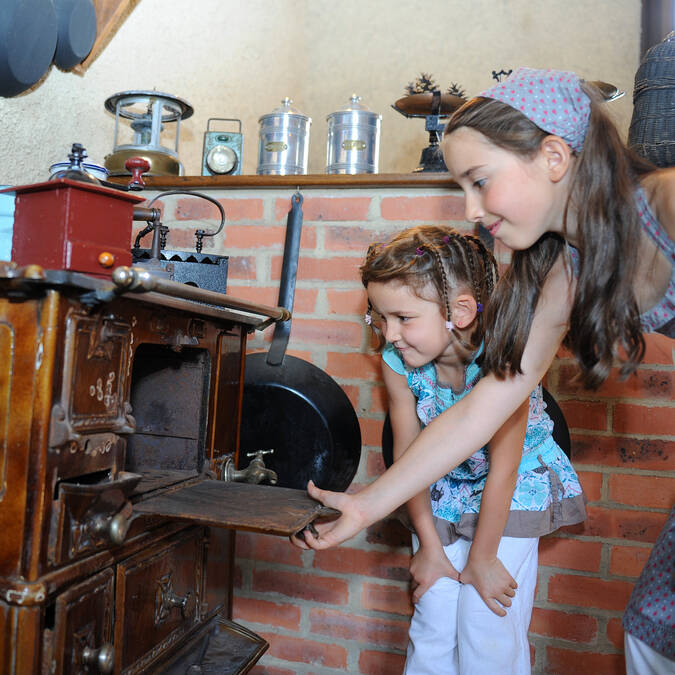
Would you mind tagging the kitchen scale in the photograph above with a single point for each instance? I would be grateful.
(152, 134)
(434, 107)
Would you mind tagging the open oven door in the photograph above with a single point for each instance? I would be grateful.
(238, 506)
(224, 647)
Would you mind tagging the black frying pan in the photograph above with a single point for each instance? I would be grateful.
(293, 406)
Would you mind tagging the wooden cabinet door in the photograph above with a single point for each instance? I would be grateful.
(158, 599)
(82, 640)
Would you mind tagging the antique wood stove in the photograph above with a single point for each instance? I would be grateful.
(120, 408)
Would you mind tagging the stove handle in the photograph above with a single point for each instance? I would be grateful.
(103, 658)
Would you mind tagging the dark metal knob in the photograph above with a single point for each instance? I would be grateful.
(118, 528)
(103, 658)
(114, 529)
(187, 604)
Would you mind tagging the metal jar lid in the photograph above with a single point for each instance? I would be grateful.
(286, 109)
(354, 105)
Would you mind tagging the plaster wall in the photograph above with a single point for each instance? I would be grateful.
(239, 58)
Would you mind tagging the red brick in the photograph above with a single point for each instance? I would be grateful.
(261, 669)
(643, 419)
(235, 209)
(242, 267)
(386, 598)
(354, 365)
(265, 236)
(299, 650)
(622, 524)
(391, 532)
(591, 482)
(301, 585)
(352, 301)
(378, 397)
(381, 564)
(659, 350)
(263, 611)
(567, 662)
(183, 239)
(643, 383)
(638, 453)
(628, 561)
(447, 207)
(323, 332)
(304, 301)
(372, 662)
(348, 626)
(328, 208)
(354, 395)
(581, 591)
(585, 415)
(650, 491)
(371, 432)
(584, 556)
(564, 625)
(321, 269)
(615, 632)
(268, 548)
(354, 238)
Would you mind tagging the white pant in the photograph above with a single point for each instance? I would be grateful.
(641, 659)
(452, 631)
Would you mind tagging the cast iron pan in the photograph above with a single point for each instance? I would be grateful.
(293, 406)
(27, 43)
(76, 21)
(561, 434)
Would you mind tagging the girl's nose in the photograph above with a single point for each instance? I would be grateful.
(391, 332)
(473, 209)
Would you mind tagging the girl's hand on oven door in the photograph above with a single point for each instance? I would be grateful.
(326, 534)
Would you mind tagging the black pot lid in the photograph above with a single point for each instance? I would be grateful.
(76, 22)
(27, 43)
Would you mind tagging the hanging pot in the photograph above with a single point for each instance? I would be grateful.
(293, 406)
(28, 33)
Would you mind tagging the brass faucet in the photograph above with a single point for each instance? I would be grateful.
(256, 472)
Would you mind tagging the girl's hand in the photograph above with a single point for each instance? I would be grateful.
(492, 581)
(427, 566)
(334, 532)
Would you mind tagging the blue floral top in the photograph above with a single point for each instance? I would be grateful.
(547, 493)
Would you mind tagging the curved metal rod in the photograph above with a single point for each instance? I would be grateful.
(199, 234)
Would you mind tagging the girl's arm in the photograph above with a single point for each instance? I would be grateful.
(483, 570)
(430, 562)
(459, 431)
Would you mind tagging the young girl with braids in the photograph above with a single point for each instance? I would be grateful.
(592, 226)
(427, 291)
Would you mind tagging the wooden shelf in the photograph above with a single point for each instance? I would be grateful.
(366, 180)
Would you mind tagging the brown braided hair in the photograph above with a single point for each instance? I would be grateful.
(442, 256)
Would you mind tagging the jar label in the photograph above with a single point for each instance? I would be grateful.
(353, 145)
(275, 146)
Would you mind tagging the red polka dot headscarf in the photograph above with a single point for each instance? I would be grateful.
(552, 99)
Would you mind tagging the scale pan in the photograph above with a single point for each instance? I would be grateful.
(421, 105)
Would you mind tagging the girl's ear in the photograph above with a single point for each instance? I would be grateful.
(557, 156)
(463, 310)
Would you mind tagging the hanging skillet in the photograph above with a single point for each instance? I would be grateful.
(293, 406)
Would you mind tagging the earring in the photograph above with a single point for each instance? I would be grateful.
(450, 326)
(368, 319)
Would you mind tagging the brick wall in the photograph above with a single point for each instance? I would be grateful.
(347, 609)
